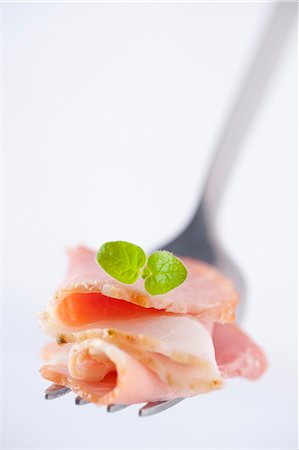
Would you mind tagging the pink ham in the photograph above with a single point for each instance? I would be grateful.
(178, 349)
(236, 354)
(117, 336)
(127, 381)
(206, 293)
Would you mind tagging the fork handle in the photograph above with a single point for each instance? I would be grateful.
(246, 105)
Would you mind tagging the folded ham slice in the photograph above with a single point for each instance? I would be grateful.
(178, 349)
(123, 381)
(206, 293)
(119, 344)
(236, 354)
(75, 367)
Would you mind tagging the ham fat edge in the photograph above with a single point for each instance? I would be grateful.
(115, 343)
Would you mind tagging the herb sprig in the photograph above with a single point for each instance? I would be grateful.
(127, 262)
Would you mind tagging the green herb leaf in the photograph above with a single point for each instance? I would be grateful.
(121, 260)
(163, 273)
(124, 262)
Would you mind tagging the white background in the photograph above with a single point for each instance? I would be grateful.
(110, 115)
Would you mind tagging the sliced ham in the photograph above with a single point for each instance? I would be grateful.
(94, 375)
(179, 350)
(126, 381)
(183, 338)
(236, 354)
(119, 344)
(104, 373)
(206, 293)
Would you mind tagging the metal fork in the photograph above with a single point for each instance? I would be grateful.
(199, 239)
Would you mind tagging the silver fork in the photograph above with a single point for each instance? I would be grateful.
(199, 239)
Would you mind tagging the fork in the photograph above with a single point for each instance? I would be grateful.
(199, 239)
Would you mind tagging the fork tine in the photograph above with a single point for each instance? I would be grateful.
(156, 407)
(55, 391)
(114, 408)
(80, 401)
